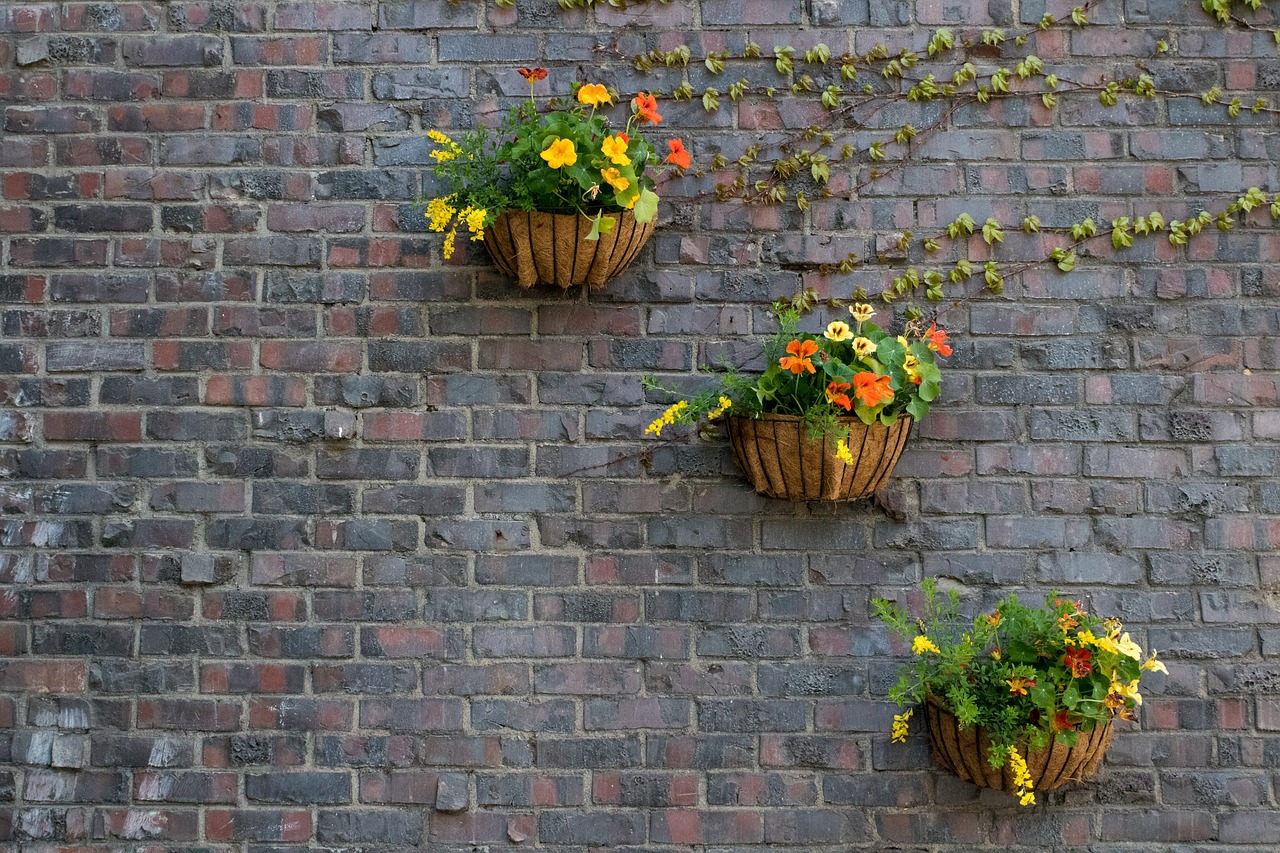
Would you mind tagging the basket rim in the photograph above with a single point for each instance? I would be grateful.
(777, 416)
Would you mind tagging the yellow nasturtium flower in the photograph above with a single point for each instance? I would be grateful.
(614, 178)
(560, 153)
(592, 94)
(615, 148)
(838, 331)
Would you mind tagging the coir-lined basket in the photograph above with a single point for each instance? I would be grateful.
(964, 753)
(783, 460)
(551, 248)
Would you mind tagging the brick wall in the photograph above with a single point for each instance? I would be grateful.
(309, 539)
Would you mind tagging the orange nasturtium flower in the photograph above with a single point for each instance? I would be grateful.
(1018, 685)
(678, 155)
(937, 339)
(614, 179)
(646, 107)
(871, 389)
(593, 94)
(560, 153)
(835, 394)
(615, 148)
(798, 362)
(533, 74)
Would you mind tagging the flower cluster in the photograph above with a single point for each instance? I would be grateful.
(566, 161)
(1025, 674)
(1021, 778)
(857, 369)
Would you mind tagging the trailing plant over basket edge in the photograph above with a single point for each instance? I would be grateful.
(1027, 675)
(857, 369)
(565, 161)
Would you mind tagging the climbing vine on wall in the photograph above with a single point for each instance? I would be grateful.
(954, 71)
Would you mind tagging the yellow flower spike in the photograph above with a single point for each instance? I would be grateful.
(838, 331)
(475, 221)
(901, 727)
(923, 644)
(1021, 778)
(441, 213)
(845, 456)
(560, 153)
(667, 418)
(450, 149)
(615, 148)
(725, 403)
(449, 243)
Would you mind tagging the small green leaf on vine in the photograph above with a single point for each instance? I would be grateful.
(1120, 236)
(831, 97)
(751, 50)
(1064, 258)
(963, 270)
(992, 232)
(782, 58)
(931, 245)
(1031, 224)
(1078, 17)
(995, 281)
(876, 151)
(1029, 66)
(737, 90)
(710, 100)
(962, 227)
(942, 40)
(818, 54)
(904, 134)
(1084, 230)
(715, 61)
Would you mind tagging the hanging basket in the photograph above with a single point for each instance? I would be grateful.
(783, 460)
(964, 753)
(551, 248)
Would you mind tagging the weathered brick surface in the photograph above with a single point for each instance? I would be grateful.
(308, 538)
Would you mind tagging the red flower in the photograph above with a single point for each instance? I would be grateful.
(533, 74)
(678, 155)
(937, 339)
(871, 389)
(835, 394)
(798, 362)
(646, 108)
(1061, 723)
(1077, 660)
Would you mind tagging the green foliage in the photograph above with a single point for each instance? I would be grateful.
(853, 367)
(1025, 674)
